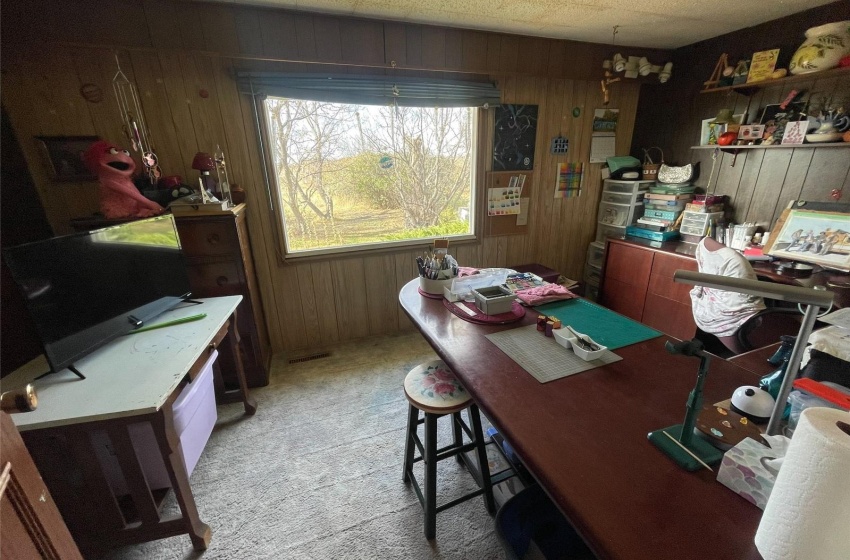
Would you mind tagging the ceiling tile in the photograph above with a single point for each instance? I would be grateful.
(645, 23)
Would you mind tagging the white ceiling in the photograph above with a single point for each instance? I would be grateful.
(645, 23)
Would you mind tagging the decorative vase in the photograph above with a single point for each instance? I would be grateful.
(824, 46)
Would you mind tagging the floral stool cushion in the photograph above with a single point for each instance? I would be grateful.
(432, 387)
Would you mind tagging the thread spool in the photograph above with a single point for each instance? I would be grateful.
(549, 328)
(19, 400)
(541, 323)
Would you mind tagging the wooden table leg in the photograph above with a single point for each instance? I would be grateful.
(234, 340)
(169, 444)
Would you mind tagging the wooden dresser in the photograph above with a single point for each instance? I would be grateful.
(637, 281)
(218, 253)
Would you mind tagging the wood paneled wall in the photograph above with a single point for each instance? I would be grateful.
(761, 182)
(174, 50)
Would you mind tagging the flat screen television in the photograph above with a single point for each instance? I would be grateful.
(86, 289)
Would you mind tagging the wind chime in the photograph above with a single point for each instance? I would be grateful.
(133, 123)
(609, 78)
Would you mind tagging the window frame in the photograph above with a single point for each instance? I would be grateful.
(480, 115)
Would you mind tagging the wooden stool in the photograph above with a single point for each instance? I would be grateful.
(432, 388)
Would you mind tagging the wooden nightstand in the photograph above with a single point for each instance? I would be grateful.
(218, 254)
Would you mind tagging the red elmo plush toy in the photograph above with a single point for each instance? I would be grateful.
(119, 197)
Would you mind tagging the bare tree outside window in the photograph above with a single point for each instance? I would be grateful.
(359, 174)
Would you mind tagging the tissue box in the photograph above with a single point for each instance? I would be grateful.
(743, 471)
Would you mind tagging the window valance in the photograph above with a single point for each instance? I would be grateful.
(370, 90)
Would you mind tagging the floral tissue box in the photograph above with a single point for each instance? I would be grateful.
(743, 471)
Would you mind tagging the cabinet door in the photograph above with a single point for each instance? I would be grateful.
(625, 279)
(669, 316)
(661, 281)
(668, 303)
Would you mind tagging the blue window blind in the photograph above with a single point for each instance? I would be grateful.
(370, 90)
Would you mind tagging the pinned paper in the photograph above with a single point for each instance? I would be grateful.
(569, 180)
(505, 201)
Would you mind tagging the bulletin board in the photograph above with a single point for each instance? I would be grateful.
(507, 225)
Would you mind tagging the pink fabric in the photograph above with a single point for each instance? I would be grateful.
(466, 271)
(544, 294)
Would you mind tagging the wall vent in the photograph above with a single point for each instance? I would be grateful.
(309, 358)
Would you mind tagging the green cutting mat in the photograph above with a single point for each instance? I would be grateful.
(602, 325)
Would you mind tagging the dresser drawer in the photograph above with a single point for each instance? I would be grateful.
(214, 279)
(208, 238)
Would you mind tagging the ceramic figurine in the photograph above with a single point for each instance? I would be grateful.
(119, 197)
(824, 47)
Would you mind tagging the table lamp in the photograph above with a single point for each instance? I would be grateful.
(813, 299)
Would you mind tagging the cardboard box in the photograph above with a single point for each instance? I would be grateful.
(742, 470)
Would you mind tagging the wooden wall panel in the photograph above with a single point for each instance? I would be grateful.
(761, 183)
(182, 48)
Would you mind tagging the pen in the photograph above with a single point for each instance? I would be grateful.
(188, 319)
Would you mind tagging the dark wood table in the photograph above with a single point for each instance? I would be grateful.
(584, 439)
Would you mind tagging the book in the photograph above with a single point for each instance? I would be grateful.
(655, 221)
(183, 209)
(661, 214)
(664, 205)
(651, 227)
(672, 197)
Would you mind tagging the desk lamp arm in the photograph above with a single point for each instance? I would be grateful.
(815, 299)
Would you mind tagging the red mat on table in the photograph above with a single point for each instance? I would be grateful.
(516, 313)
(427, 295)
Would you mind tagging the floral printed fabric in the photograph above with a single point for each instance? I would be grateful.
(434, 384)
(717, 311)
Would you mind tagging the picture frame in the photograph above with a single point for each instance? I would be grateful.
(751, 132)
(795, 132)
(792, 112)
(816, 237)
(64, 155)
(762, 65)
(705, 129)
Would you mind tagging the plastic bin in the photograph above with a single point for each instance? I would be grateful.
(530, 516)
(800, 401)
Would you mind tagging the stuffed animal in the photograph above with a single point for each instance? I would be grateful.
(119, 197)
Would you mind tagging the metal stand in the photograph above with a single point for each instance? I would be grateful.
(677, 441)
(71, 367)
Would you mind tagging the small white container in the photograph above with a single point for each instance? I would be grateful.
(493, 300)
(434, 287)
(563, 337)
(579, 351)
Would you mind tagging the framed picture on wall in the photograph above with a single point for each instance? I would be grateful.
(514, 137)
(64, 155)
(815, 237)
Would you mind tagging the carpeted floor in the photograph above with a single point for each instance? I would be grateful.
(317, 473)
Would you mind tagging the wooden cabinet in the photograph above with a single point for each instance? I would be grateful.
(218, 252)
(637, 281)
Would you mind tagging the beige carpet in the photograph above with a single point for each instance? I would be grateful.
(317, 473)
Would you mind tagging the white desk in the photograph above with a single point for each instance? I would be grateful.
(133, 379)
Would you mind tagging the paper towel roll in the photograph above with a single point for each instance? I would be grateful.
(808, 513)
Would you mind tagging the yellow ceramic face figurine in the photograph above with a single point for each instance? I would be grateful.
(825, 45)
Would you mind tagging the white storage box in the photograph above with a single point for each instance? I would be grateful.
(194, 419)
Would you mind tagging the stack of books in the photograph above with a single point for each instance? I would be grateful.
(706, 204)
(661, 211)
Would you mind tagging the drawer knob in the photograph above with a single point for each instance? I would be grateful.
(213, 239)
(221, 280)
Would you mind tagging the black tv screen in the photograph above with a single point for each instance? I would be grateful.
(84, 290)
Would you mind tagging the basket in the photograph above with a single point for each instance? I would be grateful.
(649, 170)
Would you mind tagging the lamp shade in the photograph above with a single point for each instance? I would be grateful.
(723, 116)
(203, 162)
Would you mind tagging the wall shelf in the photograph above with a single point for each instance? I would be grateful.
(731, 149)
(751, 88)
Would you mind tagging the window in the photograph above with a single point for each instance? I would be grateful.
(354, 176)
